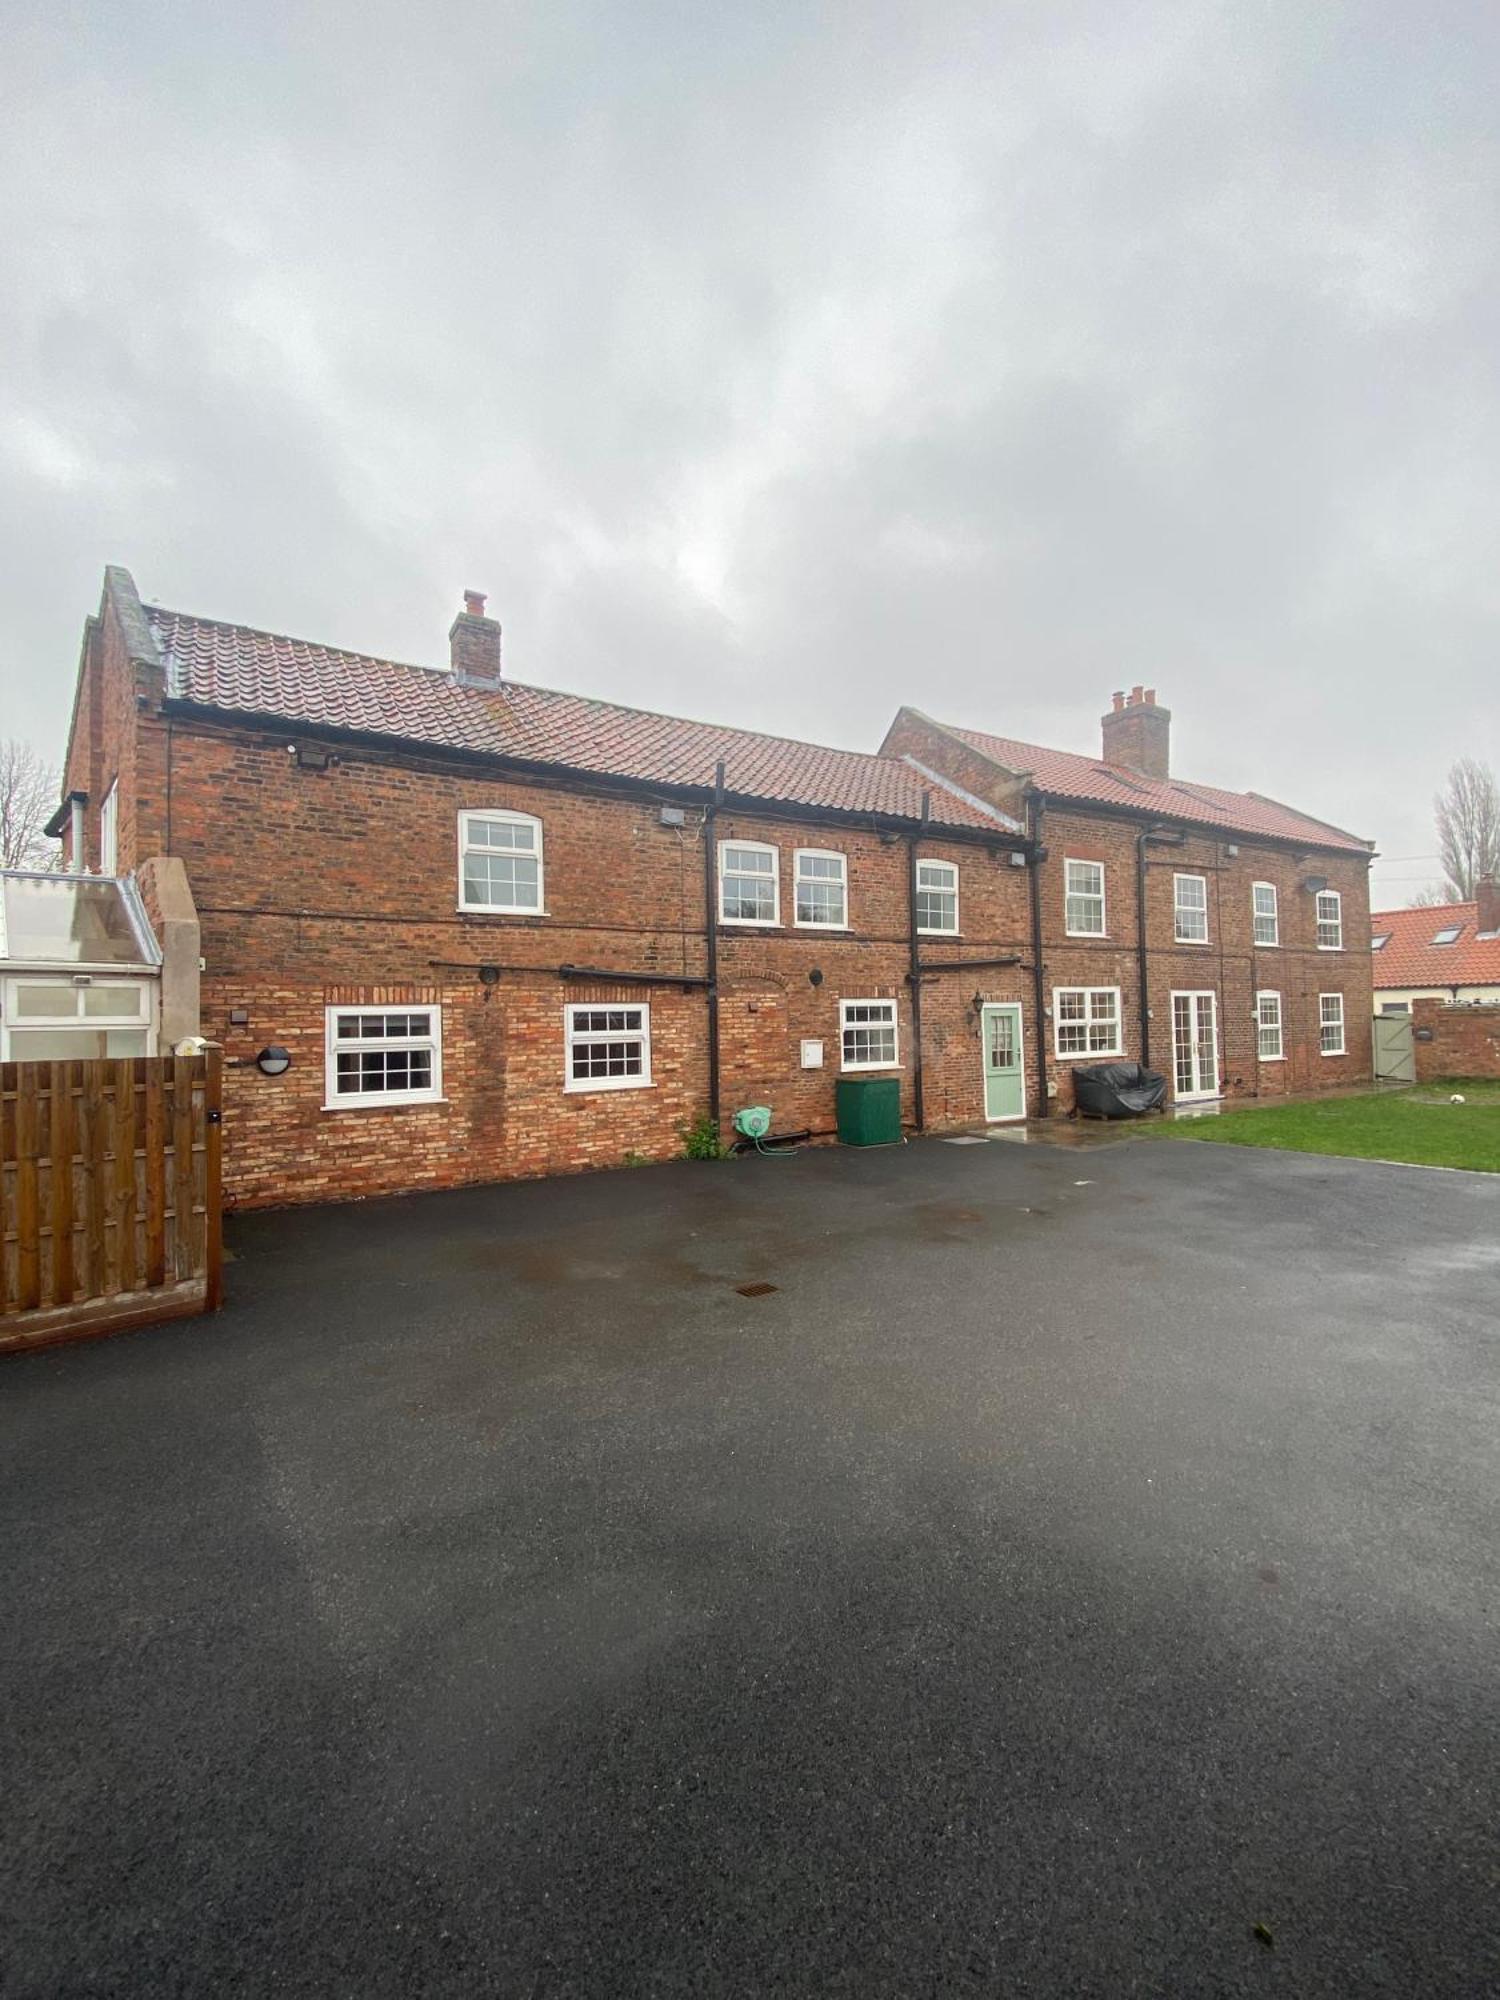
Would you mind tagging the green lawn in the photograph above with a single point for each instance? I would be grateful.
(1421, 1126)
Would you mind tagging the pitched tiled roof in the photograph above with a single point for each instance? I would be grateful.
(1062, 774)
(235, 668)
(1412, 959)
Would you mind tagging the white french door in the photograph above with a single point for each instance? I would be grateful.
(1195, 1046)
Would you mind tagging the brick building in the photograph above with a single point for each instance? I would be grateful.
(501, 931)
(1218, 936)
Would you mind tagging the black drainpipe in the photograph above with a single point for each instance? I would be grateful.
(711, 929)
(919, 1108)
(1038, 969)
(1143, 974)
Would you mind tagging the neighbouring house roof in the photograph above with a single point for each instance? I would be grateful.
(239, 670)
(1410, 958)
(1062, 774)
(73, 921)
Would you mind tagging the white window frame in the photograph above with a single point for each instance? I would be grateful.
(1325, 1022)
(1264, 1026)
(109, 831)
(801, 854)
(576, 1037)
(947, 888)
(1072, 895)
(1087, 1053)
(70, 987)
(752, 847)
(1335, 923)
(378, 1100)
(893, 1012)
(1259, 916)
(539, 908)
(1181, 909)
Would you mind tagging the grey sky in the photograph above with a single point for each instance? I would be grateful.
(780, 364)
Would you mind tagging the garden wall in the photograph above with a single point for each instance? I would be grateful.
(1455, 1041)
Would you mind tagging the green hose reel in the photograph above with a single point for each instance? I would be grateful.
(754, 1122)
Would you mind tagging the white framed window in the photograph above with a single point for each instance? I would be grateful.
(608, 1048)
(1264, 913)
(1086, 1020)
(382, 1055)
(1190, 909)
(1083, 898)
(109, 831)
(749, 883)
(1331, 1023)
(867, 1034)
(820, 883)
(1330, 920)
(500, 863)
(937, 898)
(52, 1020)
(1268, 1027)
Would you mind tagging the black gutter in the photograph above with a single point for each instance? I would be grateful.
(711, 933)
(1205, 829)
(914, 976)
(603, 974)
(1034, 809)
(967, 964)
(58, 824)
(607, 782)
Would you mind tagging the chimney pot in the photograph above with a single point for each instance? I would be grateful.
(474, 603)
(1150, 697)
(1136, 693)
(1118, 699)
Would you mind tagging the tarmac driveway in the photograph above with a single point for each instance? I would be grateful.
(1042, 1587)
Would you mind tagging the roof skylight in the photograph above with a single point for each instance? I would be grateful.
(1449, 934)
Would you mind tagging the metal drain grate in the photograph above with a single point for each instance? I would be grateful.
(755, 1291)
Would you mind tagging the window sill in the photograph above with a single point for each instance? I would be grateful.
(1333, 1054)
(1270, 1059)
(596, 1085)
(953, 937)
(391, 1103)
(1088, 1055)
(871, 1069)
(490, 910)
(1330, 947)
(1195, 944)
(828, 930)
(753, 924)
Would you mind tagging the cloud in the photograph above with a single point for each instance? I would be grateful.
(783, 364)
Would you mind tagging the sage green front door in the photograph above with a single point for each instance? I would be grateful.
(1004, 1078)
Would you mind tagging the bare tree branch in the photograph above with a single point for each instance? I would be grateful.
(28, 793)
(1467, 811)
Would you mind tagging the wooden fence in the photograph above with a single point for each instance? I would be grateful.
(109, 1195)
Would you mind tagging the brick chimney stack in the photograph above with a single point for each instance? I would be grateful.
(1137, 733)
(474, 644)
(1487, 903)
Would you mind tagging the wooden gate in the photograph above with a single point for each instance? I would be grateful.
(1395, 1057)
(109, 1195)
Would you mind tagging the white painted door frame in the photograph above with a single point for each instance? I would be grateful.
(1195, 1068)
(998, 1007)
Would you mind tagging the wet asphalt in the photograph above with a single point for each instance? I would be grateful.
(1038, 1590)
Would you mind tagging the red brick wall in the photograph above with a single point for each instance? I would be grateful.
(1465, 1041)
(1230, 965)
(118, 739)
(314, 886)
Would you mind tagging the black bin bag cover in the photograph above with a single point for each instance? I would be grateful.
(1118, 1089)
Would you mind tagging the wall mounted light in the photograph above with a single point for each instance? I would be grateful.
(815, 978)
(1315, 884)
(489, 975)
(977, 1002)
(273, 1061)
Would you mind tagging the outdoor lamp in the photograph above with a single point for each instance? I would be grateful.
(1315, 884)
(273, 1061)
